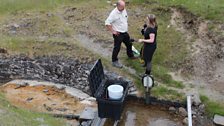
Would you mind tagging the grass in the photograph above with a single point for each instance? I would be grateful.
(212, 107)
(168, 94)
(12, 6)
(171, 49)
(20, 117)
(162, 74)
(31, 46)
(208, 9)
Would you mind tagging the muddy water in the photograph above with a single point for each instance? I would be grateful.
(137, 114)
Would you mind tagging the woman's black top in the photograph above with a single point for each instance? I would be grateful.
(149, 48)
(147, 32)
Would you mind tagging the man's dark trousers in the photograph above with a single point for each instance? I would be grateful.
(118, 39)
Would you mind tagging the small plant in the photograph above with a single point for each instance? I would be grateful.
(212, 107)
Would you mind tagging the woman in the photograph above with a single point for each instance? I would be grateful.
(149, 41)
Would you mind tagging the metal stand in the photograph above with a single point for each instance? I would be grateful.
(148, 83)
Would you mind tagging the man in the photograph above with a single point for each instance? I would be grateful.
(117, 24)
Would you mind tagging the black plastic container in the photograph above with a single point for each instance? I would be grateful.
(107, 108)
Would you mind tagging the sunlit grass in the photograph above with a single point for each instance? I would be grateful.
(212, 107)
(168, 94)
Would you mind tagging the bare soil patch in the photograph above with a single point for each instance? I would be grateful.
(204, 65)
(42, 98)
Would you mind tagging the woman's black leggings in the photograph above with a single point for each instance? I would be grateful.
(148, 68)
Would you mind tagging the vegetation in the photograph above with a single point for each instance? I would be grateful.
(172, 49)
(20, 117)
(209, 9)
(212, 107)
(12, 6)
(168, 94)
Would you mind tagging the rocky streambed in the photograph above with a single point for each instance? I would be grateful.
(68, 71)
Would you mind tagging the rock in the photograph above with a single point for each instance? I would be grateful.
(86, 123)
(62, 109)
(132, 89)
(133, 93)
(218, 120)
(70, 72)
(47, 107)
(196, 99)
(193, 112)
(172, 109)
(15, 26)
(88, 113)
(29, 99)
(182, 111)
(61, 88)
(45, 91)
(201, 108)
(21, 85)
(2, 50)
(185, 121)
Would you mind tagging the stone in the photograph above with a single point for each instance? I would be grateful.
(15, 26)
(45, 90)
(29, 99)
(201, 108)
(196, 99)
(62, 109)
(182, 111)
(2, 50)
(88, 113)
(218, 120)
(172, 109)
(185, 121)
(133, 93)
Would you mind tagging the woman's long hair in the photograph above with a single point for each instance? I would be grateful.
(151, 21)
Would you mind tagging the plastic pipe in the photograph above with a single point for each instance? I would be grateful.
(189, 110)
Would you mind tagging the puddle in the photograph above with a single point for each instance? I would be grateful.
(137, 114)
(161, 122)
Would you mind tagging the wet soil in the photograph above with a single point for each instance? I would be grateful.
(42, 98)
(140, 114)
(150, 115)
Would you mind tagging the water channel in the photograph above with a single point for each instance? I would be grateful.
(140, 114)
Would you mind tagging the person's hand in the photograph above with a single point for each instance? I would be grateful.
(140, 40)
(115, 33)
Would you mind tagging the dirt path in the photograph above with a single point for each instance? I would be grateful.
(99, 48)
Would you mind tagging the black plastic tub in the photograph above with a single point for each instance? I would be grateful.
(107, 108)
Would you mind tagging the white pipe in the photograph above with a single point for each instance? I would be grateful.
(189, 110)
